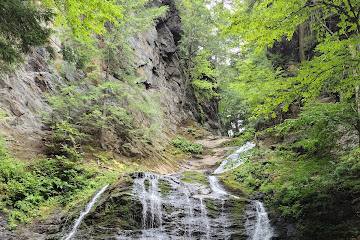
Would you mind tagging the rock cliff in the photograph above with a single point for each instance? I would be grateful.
(23, 92)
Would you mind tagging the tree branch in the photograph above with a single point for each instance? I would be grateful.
(326, 27)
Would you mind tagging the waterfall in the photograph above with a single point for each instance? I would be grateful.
(258, 224)
(217, 189)
(235, 159)
(84, 212)
(235, 127)
(181, 210)
(221, 193)
(204, 217)
(149, 194)
(165, 207)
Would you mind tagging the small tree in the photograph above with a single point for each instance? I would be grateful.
(21, 29)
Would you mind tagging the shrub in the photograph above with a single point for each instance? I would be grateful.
(186, 146)
(26, 187)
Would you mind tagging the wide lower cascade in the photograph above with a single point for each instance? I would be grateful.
(172, 209)
(151, 206)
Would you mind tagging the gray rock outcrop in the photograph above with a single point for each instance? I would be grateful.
(23, 92)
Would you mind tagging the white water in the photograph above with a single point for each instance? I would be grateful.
(235, 159)
(258, 224)
(84, 212)
(151, 202)
(181, 212)
(235, 127)
(221, 193)
(204, 217)
(217, 188)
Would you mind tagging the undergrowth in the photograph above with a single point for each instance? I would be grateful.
(321, 193)
(186, 146)
(44, 182)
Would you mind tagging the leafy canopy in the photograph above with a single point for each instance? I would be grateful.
(333, 69)
(85, 17)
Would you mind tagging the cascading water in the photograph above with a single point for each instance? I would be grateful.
(220, 193)
(235, 159)
(172, 209)
(217, 189)
(84, 212)
(258, 224)
(149, 195)
(235, 127)
(153, 207)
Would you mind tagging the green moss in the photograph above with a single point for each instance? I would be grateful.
(238, 206)
(165, 187)
(195, 177)
(233, 186)
(168, 209)
(212, 205)
(119, 213)
(146, 184)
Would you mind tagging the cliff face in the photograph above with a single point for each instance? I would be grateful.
(23, 92)
(159, 65)
(22, 97)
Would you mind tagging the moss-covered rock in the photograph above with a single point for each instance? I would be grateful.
(164, 186)
(194, 177)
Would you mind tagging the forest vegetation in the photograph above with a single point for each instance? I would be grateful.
(289, 69)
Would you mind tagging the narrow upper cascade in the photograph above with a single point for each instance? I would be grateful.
(83, 213)
(258, 224)
(235, 159)
(235, 127)
(217, 189)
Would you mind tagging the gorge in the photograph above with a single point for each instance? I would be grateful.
(180, 119)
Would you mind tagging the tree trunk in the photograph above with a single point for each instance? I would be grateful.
(301, 43)
(104, 115)
(187, 78)
(104, 112)
(357, 95)
(357, 99)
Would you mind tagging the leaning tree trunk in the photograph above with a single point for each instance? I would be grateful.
(104, 110)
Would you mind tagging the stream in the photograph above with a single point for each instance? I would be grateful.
(171, 207)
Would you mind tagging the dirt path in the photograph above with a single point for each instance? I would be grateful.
(214, 152)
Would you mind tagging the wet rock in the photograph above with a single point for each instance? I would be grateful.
(284, 227)
(141, 210)
(258, 196)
